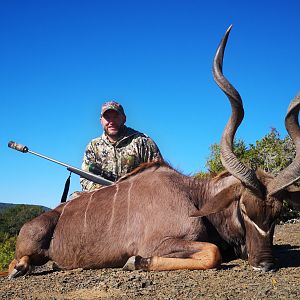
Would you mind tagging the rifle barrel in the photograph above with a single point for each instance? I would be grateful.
(48, 158)
(84, 174)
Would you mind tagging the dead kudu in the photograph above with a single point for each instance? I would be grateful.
(158, 219)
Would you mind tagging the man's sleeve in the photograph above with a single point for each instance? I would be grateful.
(151, 151)
(88, 159)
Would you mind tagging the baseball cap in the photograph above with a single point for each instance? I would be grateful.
(112, 105)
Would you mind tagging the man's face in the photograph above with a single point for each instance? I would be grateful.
(112, 122)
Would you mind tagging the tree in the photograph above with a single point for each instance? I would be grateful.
(214, 163)
(273, 154)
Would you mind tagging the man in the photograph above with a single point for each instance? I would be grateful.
(119, 150)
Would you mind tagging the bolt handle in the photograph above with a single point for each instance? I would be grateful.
(18, 147)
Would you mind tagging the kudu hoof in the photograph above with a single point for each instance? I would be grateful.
(130, 264)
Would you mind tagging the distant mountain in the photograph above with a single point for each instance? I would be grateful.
(4, 206)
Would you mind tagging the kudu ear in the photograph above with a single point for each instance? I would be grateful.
(221, 201)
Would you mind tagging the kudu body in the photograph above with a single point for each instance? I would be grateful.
(158, 219)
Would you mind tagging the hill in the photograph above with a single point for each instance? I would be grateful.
(4, 206)
(12, 218)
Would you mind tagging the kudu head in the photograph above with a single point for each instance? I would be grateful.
(259, 195)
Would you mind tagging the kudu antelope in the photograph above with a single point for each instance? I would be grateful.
(158, 219)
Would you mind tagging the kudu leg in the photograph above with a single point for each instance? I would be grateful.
(19, 268)
(32, 244)
(191, 256)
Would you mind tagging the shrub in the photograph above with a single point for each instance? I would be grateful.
(7, 252)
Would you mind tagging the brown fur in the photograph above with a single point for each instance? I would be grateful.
(149, 213)
(147, 165)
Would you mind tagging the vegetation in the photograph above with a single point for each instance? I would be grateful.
(271, 153)
(7, 251)
(12, 217)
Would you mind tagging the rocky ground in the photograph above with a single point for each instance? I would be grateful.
(235, 280)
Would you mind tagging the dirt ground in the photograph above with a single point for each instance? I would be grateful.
(234, 280)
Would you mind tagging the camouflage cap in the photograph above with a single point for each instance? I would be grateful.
(112, 105)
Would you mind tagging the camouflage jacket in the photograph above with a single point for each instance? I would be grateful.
(119, 158)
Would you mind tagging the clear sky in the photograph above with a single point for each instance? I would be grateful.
(60, 60)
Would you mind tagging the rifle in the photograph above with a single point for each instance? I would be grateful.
(84, 174)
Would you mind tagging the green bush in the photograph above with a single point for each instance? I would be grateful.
(7, 252)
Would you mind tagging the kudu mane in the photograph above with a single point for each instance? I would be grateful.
(144, 166)
(161, 163)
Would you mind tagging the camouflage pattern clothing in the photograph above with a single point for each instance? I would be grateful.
(120, 158)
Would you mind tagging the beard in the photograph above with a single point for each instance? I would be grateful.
(115, 133)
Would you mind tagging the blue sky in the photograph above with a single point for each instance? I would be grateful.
(61, 59)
